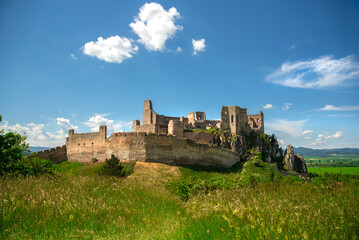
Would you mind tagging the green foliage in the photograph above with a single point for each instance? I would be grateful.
(140, 207)
(13, 161)
(341, 170)
(259, 172)
(112, 167)
(94, 160)
(289, 179)
(185, 188)
(31, 165)
(330, 179)
(12, 147)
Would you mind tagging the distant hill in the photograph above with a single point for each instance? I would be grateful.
(37, 149)
(309, 152)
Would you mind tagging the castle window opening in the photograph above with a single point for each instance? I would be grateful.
(231, 118)
(84, 144)
(78, 144)
(92, 143)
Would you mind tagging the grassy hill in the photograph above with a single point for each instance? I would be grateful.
(158, 201)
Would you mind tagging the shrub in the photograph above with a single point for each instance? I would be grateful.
(94, 160)
(31, 165)
(112, 167)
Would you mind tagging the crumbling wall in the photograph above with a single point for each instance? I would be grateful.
(256, 122)
(175, 128)
(126, 146)
(56, 155)
(199, 137)
(148, 147)
(172, 150)
(234, 119)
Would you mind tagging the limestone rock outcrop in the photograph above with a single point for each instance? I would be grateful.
(294, 162)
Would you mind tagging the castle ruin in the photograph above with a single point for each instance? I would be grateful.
(233, 119)
(161, 139)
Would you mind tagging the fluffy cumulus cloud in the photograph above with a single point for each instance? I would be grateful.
(322, 139)
(342, 108)
(282, 142)
(112, 126)
(322, 72)
(286, 106)
(114, 49)
(198, 45)
(268, 106)
(286, 128)
(38, 136)
(306, 132)
(65, 125)
(154, 25)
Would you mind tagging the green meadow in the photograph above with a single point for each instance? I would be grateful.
(158, 201)
(341, 170)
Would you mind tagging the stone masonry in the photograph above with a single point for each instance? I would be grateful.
(161, 138)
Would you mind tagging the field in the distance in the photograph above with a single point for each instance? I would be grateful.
(342, 170)
(159, 201)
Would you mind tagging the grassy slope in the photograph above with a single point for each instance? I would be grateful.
(82, 205)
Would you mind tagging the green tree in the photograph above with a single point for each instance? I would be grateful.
(14, 157)
(12, 148)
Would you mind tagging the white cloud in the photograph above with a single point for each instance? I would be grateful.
(198, 45)
(179, 49)
(308, 137)
(306, 132)
(100, 119)
(113, 49)
(65, 125)
(73, 56)
(281, 141)
(154, 25)
(322, 139)
(338, 134)
(286, 106)
(36, 134)
(268, 106)
(287, 127)
(322, 72)
(342, 108)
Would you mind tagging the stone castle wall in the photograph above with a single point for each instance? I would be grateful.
(56, 155)
(134, 146)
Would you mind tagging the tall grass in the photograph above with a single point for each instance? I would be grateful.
(141, 206)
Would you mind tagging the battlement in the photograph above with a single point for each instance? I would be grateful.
(56, 155)
(161, 138)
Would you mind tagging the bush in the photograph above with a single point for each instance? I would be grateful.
(185, 188)
(30, 165)
(94, 160)
(112, 167)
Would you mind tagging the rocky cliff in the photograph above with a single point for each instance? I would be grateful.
(251, 145)
(294, 162)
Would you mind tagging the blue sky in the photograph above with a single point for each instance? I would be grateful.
(78, 64)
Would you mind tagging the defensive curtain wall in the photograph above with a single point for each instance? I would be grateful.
(147, 147)
(150, 147)
(160, 139)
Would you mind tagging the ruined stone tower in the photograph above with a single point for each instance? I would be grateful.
(234, 119)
